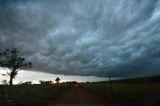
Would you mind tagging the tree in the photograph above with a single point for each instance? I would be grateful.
(57, 80)
(11, 60)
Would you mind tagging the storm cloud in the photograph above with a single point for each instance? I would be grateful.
(86, 37)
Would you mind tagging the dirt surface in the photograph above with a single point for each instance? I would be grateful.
(79, 105)
(80, 95)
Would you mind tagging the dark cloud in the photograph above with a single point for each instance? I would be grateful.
(86, 37)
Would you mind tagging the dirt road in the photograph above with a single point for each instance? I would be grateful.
(80, 95)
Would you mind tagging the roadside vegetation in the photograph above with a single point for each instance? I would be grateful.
(144, 91)
(138, 90)
(32, 94)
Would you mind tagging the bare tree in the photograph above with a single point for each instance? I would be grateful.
(11, 60)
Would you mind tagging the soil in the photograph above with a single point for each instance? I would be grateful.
(81, 95)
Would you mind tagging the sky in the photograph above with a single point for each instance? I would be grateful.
(25, 76)
(97, 38)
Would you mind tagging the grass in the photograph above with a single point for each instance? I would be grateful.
(138, 90)
(32, 94)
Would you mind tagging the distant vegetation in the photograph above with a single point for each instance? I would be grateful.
(45, 82)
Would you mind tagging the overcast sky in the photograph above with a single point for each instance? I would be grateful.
(120, 38)
(36, 77)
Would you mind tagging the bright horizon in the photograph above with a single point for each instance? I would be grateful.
(35, 76)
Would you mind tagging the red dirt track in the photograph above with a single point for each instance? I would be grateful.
(80, 95)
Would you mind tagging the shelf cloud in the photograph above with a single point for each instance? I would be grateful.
(120, 38)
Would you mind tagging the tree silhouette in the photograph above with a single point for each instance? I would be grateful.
(57, 80)
(27, 83)
(11, 60)
(45, 82)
